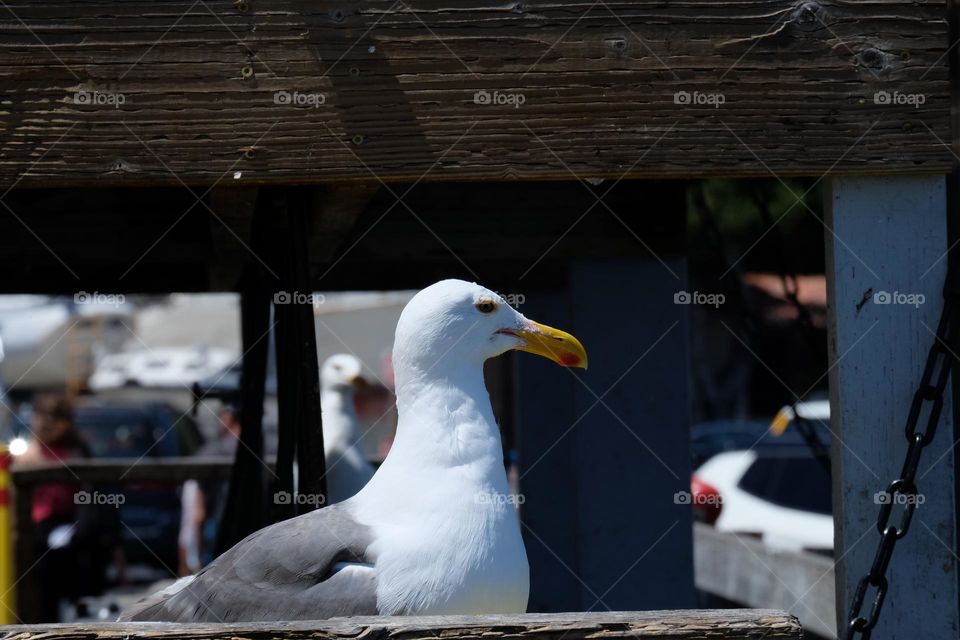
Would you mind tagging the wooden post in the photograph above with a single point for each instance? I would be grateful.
(244, 509)
(604, 451)
(886, 264)
(298, 375)
(633, 443)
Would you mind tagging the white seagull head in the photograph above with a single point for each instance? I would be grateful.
(342, 372)
(462, 322)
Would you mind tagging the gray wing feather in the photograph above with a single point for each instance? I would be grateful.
(286, 571)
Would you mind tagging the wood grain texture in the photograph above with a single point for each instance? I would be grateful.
(744, 570)
(690, 624)
(147, 92)
(886, 246)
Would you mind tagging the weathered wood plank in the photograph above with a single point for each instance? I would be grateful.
(742, 569)
(148, 92)
(886, 265)
(691, 624)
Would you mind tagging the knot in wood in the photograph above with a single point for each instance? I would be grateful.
(872, 58)
(808, 16)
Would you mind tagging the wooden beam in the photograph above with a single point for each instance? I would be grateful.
(231, 221)
(729, 624)
(744, 570)
(335, 210)
(298, 375)
(289, 91)
(244, 511)
(886, 265)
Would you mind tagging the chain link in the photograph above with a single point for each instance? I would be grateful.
(903, 490)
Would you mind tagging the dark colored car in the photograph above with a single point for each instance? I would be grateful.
(150, 514)
(710, 438)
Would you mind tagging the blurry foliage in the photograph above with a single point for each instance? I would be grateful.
(734, 205)
(746, 363)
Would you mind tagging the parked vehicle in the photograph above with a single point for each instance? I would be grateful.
(150, 513)
(765, 479)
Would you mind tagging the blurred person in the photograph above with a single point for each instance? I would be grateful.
(72, 540)
(203, 502)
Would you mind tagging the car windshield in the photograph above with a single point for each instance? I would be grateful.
(793, 480)
(116, 433)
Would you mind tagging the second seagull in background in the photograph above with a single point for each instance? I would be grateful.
(348, 469)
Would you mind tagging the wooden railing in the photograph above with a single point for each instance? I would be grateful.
(726, 624)
(26, 477)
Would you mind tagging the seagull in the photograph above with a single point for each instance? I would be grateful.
(348, 469)
(434, 532)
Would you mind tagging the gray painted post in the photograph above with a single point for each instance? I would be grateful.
(889, 238)
(601, 525)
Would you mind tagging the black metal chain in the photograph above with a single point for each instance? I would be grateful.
(936, 374)
(810, 436)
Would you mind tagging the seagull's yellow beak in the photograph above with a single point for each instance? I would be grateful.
(556, 345)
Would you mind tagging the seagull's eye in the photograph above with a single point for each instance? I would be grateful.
(486, 306)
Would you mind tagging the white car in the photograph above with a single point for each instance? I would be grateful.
(780, 493)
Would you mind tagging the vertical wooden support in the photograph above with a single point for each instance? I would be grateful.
(244, 509)
(633, 448)
(298, 375)
(886, 264)
(602, 457)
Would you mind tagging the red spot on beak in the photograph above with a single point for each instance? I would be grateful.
(569, 360)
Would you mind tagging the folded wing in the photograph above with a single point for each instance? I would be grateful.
(314, 566)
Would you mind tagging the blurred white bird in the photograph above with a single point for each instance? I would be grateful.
(348, 470)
